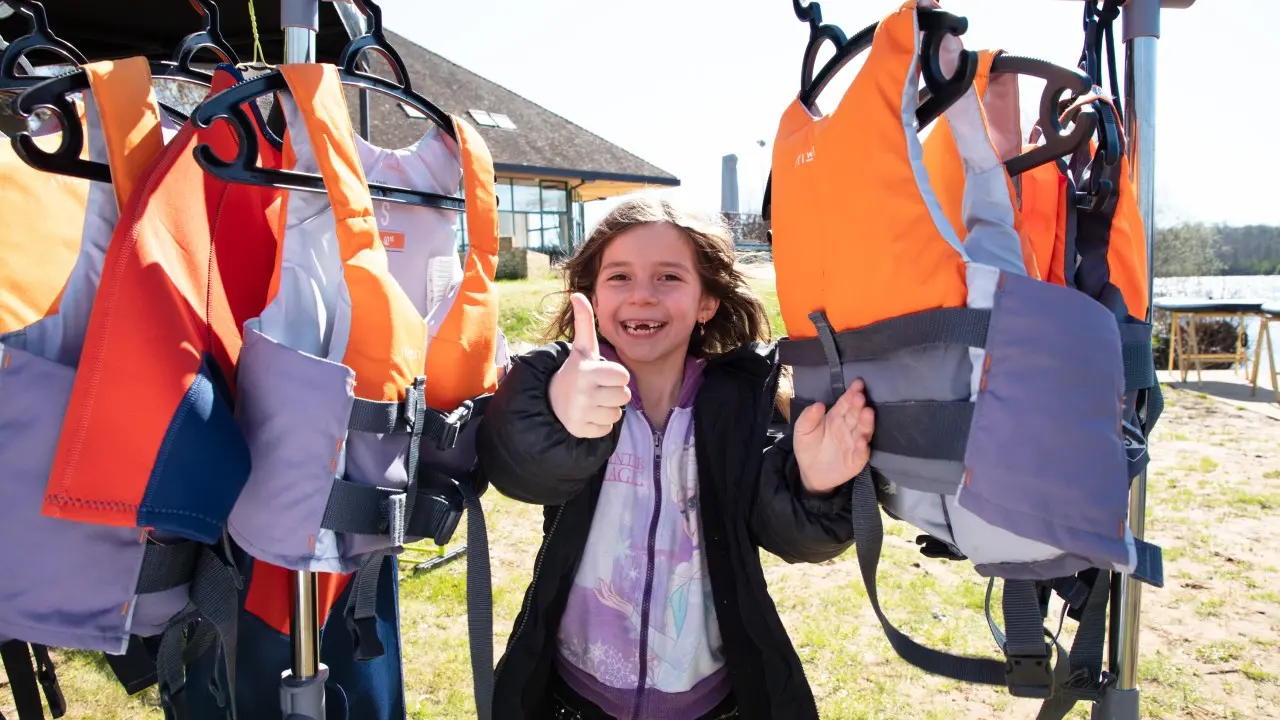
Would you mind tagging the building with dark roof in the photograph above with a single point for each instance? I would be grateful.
(546, 166)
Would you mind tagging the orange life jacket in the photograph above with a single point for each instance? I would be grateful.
(999, 397)
(116, 431)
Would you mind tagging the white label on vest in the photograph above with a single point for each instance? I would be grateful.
(446, 275)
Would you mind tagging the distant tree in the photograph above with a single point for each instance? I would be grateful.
(1188, 249)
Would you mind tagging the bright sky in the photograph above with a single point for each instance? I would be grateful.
(683, 82)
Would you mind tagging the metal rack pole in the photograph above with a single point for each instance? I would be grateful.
(1141, 30)
(302, 685)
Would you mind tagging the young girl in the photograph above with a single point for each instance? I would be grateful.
(647, 440)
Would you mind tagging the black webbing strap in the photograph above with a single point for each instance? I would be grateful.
(47, 676)
(869, 539)
(167, 566)
(931, 429)
(362, 603)
(479, 603)
(385, 418)
(830, 354)
(212, 608)
(1139, 358)
(945, 326)
(16, 657)
(1027, 655)
(360, 613)
(1084, 678)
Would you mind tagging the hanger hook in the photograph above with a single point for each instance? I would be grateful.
(811, 13)
(33, 10)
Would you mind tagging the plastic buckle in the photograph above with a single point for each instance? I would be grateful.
(932, 547)
(1029, 676)
(364, 637)
(453, 426)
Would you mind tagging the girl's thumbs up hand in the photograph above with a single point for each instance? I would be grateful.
(588, 392)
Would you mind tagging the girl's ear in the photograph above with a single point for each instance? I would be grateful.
(708, 307)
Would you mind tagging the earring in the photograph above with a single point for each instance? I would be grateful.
(702, 327)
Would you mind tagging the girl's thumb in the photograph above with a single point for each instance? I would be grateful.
(811, 419)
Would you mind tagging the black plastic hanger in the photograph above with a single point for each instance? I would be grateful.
(1059, 81)
(177, 69)
(244, 168)
(941, 91)
(936, 25)
(40, 38)
(53, 93)
(210, 38)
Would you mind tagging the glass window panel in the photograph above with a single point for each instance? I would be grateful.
(554, 199)
(526, 198)
(503, 186)
(506, 224)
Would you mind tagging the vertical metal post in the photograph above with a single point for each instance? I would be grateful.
(356, 25)
(302, 686)
(1141, 30)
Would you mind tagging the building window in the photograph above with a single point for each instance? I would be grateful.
(536, 214)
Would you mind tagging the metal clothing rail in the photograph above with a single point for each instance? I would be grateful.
(1141, 30)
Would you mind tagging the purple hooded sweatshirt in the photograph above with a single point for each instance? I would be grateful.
(639, 635)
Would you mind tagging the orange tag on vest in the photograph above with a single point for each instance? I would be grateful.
(392, 240)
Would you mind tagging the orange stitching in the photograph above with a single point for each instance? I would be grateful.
(124, 610)
(311, 543)
(91, 504)
(968, 474)
(7, 358)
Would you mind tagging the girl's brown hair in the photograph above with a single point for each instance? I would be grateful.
(740, 319)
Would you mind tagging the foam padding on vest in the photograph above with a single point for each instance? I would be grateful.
(1044, 217)
(460, 357)
(66, 584)
(294, 409)
(943, 158)
(150, 416)
(387, 335)
(858, 230)
(1053, 369)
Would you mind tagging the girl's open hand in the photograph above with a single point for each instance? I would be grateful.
(833, 446)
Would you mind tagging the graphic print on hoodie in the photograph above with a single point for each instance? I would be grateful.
(641, 588)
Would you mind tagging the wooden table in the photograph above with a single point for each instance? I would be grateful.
(1270, 313)
(1196, 309)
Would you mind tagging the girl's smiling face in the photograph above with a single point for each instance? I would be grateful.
(648, 294)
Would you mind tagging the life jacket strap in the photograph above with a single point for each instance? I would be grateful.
(950, 326)
(27, 680)
(384, 418)
(212, 609)
(868, 532)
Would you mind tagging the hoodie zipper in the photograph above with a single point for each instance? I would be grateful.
(651, 551)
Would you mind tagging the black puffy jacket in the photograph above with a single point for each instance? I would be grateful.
(750, 498)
